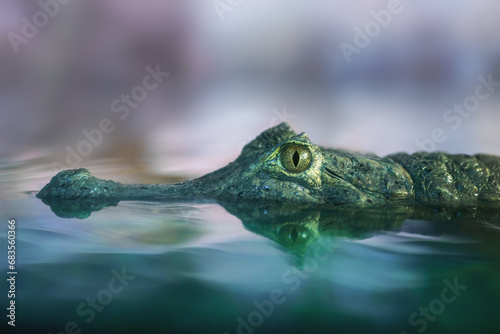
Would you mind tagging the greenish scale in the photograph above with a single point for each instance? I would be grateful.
(281, 166)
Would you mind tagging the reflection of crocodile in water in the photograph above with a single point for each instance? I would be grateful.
(297, 229)
(282, 166)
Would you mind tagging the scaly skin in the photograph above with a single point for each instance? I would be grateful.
(282, 166)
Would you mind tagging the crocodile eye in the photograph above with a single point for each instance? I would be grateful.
(295, 158)
(292, 234)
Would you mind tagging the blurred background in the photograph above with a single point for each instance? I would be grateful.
(236, 68)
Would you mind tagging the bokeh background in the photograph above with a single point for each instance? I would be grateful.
(232, 75)
(236, 73)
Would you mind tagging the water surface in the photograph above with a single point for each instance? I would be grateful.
(205, 268)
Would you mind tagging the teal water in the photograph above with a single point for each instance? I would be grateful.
(203, 268)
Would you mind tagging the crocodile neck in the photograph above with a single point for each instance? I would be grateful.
(452, 180)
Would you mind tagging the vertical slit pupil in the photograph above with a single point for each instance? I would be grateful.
(294, 234)
(296, 158)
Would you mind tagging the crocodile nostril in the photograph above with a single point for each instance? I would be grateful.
(296, 158)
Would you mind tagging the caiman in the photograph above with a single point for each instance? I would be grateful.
(283, 166)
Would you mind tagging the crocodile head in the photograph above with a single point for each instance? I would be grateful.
(277, 166)
(281, 165)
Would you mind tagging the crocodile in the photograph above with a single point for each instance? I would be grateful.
(281, 165)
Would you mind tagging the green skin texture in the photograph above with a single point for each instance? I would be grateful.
(334, 178)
